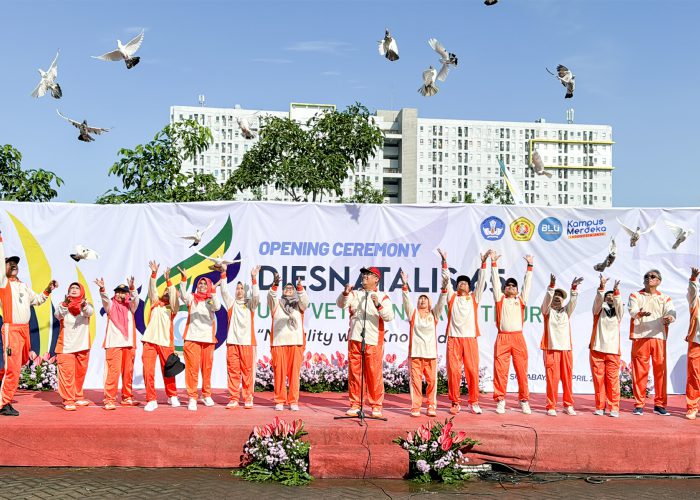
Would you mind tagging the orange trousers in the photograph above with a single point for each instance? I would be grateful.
(374, 376)
(286, 365)
(605, 369)
(16, 339)
(462, 351)
(119, 361)
(419, 368)
(692, 387)
(72, 368)
(559, 365)
(198, 356)
(151, 352)
(642, 351)
(507, 345)
(240, 364)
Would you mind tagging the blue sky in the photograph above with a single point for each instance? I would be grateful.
(635, 61)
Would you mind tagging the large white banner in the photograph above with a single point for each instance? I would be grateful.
(327, 244)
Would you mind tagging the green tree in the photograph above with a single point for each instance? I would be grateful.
(496, 193)
(364, 193)
(468, 198)
(24, 185)
(311, 160)
(152, 172)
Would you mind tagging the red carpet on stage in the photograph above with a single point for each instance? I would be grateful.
(46, 435)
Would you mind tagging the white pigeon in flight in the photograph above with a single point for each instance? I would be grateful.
(567, 79)
(83, 253)
(246, 130)
(196, 238)
(85, 129)
(125, 52)
(388, 47)
(219, 262)
(429, 88)
(446, 58)
(48, 81)
(538, 165)
(637, 233)
(608, 261)
(679, 233)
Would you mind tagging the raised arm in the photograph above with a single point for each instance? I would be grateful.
(347, 298)
(303, 297)
(86, 309)
(254, 299)
(185, 295)
(3, 276)
(152, 287)
(134, 304)
(693, 287)
(527, 282)
(481, 281)
(272, 293)
(617, 300)
(600, 294)
(549, 295)
(442, 301)
(495, 279)
(446, 273)
(226, 296)
(36, 299)
(571, 306)
(106, 302)
(407, 306)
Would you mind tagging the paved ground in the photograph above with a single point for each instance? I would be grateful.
(57, 483)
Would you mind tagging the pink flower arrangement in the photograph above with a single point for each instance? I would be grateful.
(40, 373)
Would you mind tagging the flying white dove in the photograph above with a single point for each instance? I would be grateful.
(490, 2)
(198, 235)
(637, 233)
(538, 165)
(446, 58)
(80, 252)
(85, 129)
(246, 130)
(388, 47)
(612, 250)
(428, 88)
(125, 52)
(679, 233)
(219, 262)
(48, 81)
(566, 78)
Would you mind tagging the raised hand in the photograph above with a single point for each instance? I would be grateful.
(694, 272)
(616, 287)
(485, 256)
(100, 282)
(276, 279)
(404, 278)
(576, 282)
(348, 289)
(166, 274)
(83, 303)
(552, 280)
(154, 266)
(529, 259)
(66, 300)
(445, 282)
(53, 284)
(299, 284)
(254, 272)
(494, 256)
(443, 254)
(130, 282)
(183, 274)
(603, 281)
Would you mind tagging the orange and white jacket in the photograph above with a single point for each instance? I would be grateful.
(281, 333)
(241, 315)
(557, 324)
(463, 309)
(74, 333)
(694, 303)
(510, 312)
(16, 309)
(422, 336)
(201, 317)
(649, 327)
(113, 336)
(160, 329)
(606, 329)
(376, 318)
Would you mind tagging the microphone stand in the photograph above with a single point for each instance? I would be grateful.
(361, 413)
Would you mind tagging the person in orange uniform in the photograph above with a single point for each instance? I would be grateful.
(73, 346)
(241, 350)
(556, 345)
(119, 342)
(510, 318)
(17, 300)
(199, 337)
(287, 340)
(422, 346)
(372, 309)
(462, 333)
(651, 313)
(159, 339)
(692, 386)
(605, 348)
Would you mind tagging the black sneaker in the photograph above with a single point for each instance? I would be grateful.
(638, 411)
(8, 411)
(660, 410)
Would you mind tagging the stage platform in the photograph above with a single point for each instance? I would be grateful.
(46, 435)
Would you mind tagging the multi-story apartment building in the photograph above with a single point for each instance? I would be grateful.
(426, 160)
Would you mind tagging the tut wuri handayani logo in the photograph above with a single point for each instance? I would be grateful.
(522, 229)
(492, 228)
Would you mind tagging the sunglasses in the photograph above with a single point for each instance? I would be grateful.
(651, 277)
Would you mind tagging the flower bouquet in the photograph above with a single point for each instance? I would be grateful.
(40, 373)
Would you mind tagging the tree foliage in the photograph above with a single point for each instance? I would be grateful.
(152, 172)
(496, 193)
(468, 198)
(309, 161)
(24, 185)
(364, 193)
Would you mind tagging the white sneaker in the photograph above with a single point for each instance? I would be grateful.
(174, 401)
(476, 409)
(353, 411)
(294, 407)
(192, 405)
(208, 401)
(569, 410)
(248, 405)
(615, 414)
(231, 405)
(599, 412)
(501, 406)
(151, 405)
(552, 413)
(279, 407)
(525, 407)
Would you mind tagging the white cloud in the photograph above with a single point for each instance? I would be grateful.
(324, 46)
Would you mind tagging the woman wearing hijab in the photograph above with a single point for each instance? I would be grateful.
(199, 337)
(605, 348)
(119, 342)
(73, 346)
(158, 339)
(287, 340)
(422, 346)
